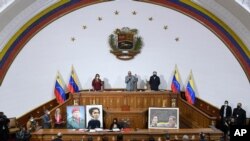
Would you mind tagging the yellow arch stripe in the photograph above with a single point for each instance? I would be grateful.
(25, 26)
(42, 13)
(221, 23)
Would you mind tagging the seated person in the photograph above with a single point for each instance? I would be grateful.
(119, 137)
(115, 124)
(23, 135)
(94, 122)
(59, 137)
(151, 138)
(97, 83)
(202, 137)
(185, 138)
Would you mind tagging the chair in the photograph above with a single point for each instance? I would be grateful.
(13, 126)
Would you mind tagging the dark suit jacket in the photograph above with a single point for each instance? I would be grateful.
(239, 116)
(154, 83)
(46, 121)
(228, 111)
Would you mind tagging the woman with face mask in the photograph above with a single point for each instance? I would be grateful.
(97, 83)
(115, 124)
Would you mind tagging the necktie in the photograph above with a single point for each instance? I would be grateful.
(225, 110)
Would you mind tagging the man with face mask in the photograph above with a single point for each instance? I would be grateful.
(154, 82)
(225, 115)
(46, 120)
(239, 115)
(225, 111)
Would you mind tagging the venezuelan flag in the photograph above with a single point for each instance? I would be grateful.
(175, 85)
(59, 90)
(190, 92)
(73, 82)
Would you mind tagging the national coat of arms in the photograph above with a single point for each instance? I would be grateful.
(125, 43)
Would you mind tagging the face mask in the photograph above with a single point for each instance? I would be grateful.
(48, 113)
(154, 74)
(32, 120)
(238, 106)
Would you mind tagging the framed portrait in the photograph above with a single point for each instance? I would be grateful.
(76, 117)
(163, 118)
(94, 116)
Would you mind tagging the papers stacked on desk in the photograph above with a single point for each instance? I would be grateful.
(116, 130)
(98, 129)
(92, 130)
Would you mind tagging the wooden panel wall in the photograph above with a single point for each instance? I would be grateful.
(135, 118)
(133, 99)
(193, 117)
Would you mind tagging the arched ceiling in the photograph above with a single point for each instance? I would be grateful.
(34, 15)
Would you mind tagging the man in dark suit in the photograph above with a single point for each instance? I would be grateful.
(239, 115)
(154, 82)
(225, 115)
(225, 111)
(46, 120)
(4, 130)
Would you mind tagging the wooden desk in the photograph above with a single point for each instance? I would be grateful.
(140, 134)
(134, 118)
(112, 99)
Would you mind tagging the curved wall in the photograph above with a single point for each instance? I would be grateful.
(217, 74)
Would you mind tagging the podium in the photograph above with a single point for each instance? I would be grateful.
(132, 118)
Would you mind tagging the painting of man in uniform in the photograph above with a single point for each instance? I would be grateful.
(75, 117)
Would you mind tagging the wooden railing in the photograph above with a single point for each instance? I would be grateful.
(199, 115)
(194, 117)
(37, 112)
